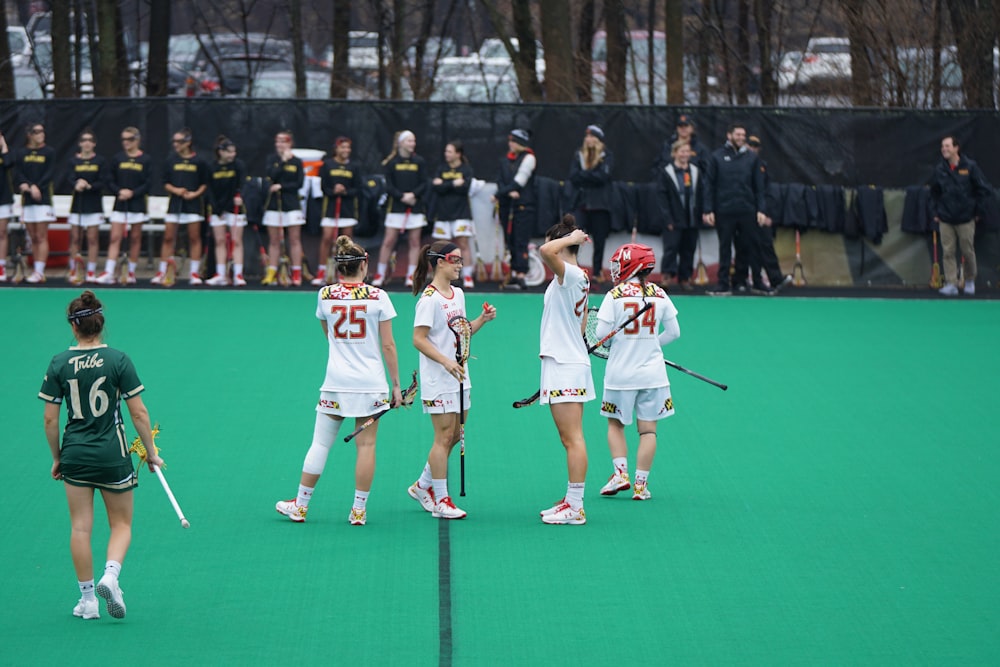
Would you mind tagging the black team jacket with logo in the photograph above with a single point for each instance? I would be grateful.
(35, 166)
(348, 174)
(227, 181)
(734, 182)
(131, 173)
(452, 201)
(94, 170)
(189, 173)
(406, 174)
(290, 176)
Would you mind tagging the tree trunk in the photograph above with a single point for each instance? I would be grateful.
(674, 17)
(524, 57)
(936, 62)
(862, 93)
(763, 17)
(105, 79)
(973, 21)
(7, 91)
(159, 42)
(123, 72)
(584, 58)
(743, 67)
(614, 25)
(560, 83)
(421, 84)
(340, 77)
(704, 34)
(298, 51)
(61, 37)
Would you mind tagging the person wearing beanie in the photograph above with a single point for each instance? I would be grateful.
(590, 177)
(518, 202)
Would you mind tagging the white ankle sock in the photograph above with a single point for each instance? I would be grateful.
(574, 494)
(113, 567)
(641, 476)
(360, 498)
(440, 489)
(87, 589)
(621, 463)
(304, 496)
(382, 269)
(425, 480)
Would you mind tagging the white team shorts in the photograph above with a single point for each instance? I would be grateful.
(352, 403)
(37, 213)
(228, 220)
(449, 229)
(344, 222)
(131, 218)
(183, 218)
(647, 404)
(402, 221)
(565, 383)
(284, 218)
(6, 211)
(444, 403)
(85, 219)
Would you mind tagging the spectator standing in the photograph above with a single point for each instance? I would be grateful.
(88, 176)
(518, 202)
(6, 204)
(406, 182)
(679, 198)
(229, 174)
(684, 131)
(590, 174)
(452, 212)
(734, 203)
(285, 175)
(34, 167)
(130, 180)
(957, 188)
(341, 183)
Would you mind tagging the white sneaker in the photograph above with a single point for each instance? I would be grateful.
(196, 279)
(319, 280)
(468, 283)
(91, 278)
(566, 515)
(640, 492)
(292, 510)
(357, 517)
(131, 278)
(105, 279)
(970, 288)
(409, 281)
(949, 290)
(108, 589)
(217, 280)
(617, 482)
(87, 609)
(445, 509)
(158, 278)
(555, 508)
(378, 280)
(423, 496)
(35, 277)
(239, 281)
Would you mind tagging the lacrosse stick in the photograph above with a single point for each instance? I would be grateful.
(798, 273)
(140, 449)
(462, 329)
(723, 387)
(701, 273)
(936, 281)
(284, 262)
(123, 250)
(496, 271)
(409, 394)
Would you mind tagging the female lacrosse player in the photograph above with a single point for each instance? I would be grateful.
(88, 176)
(228, 177)
(357, 322)
(93, 378)
(452, 213)
(286, 174)
(406, 183)
(6, 201)
(34, 167)
(341, 183)
(566, 382)
(130, 182)
(590, 174)
(440, 373)
(186, 179)
(635, 380)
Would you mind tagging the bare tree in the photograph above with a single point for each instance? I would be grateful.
(340, 78)
(743, 52)
(107, 80)
(61, 67)
(862, 93)
(763, 17)
(560, 82)
(396, 49)
(617, 41)
(525, 53)
(583, 58)
(298, 52)
(7, 91)
(674, 17)
(159, 47)
(975, 34)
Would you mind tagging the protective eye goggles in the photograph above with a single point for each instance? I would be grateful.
(451, 259)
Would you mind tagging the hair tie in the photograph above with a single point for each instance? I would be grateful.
(78, 315)
(344, 259)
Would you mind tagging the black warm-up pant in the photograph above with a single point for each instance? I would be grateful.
(518, 223)
(679, 246)
(739, 229)
(598, 225)
(764, 238)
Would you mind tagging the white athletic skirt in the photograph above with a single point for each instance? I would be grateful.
(352, 403)
(565, 383)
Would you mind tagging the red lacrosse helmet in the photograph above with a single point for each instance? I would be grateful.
(629, 260)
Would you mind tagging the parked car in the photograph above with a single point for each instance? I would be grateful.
(20, 46)
(493, 52)
(26, 84)
(41, 58)
(826, 61)
(280, 84)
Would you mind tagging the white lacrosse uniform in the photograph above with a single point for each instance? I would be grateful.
(434, 309)
(566, 373)
(355, 384)
(636, 358)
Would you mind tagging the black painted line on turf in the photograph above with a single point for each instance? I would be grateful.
(444, 594)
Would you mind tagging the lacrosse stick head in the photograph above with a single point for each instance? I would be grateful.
(462, 329)
(410, 393)
(590, 336)
(140, 449)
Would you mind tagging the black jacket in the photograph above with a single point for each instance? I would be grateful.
(451, 202)
(668, 194)
(506, 183)
(956, 194)
(228, 180)
(131, 173)
(290, 175)
(95, 172)
(348, 174)
(734, 182)
(699, 154)
(35, 166)
(593, 190)
(406, 174)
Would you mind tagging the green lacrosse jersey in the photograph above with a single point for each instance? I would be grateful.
(92, 382)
